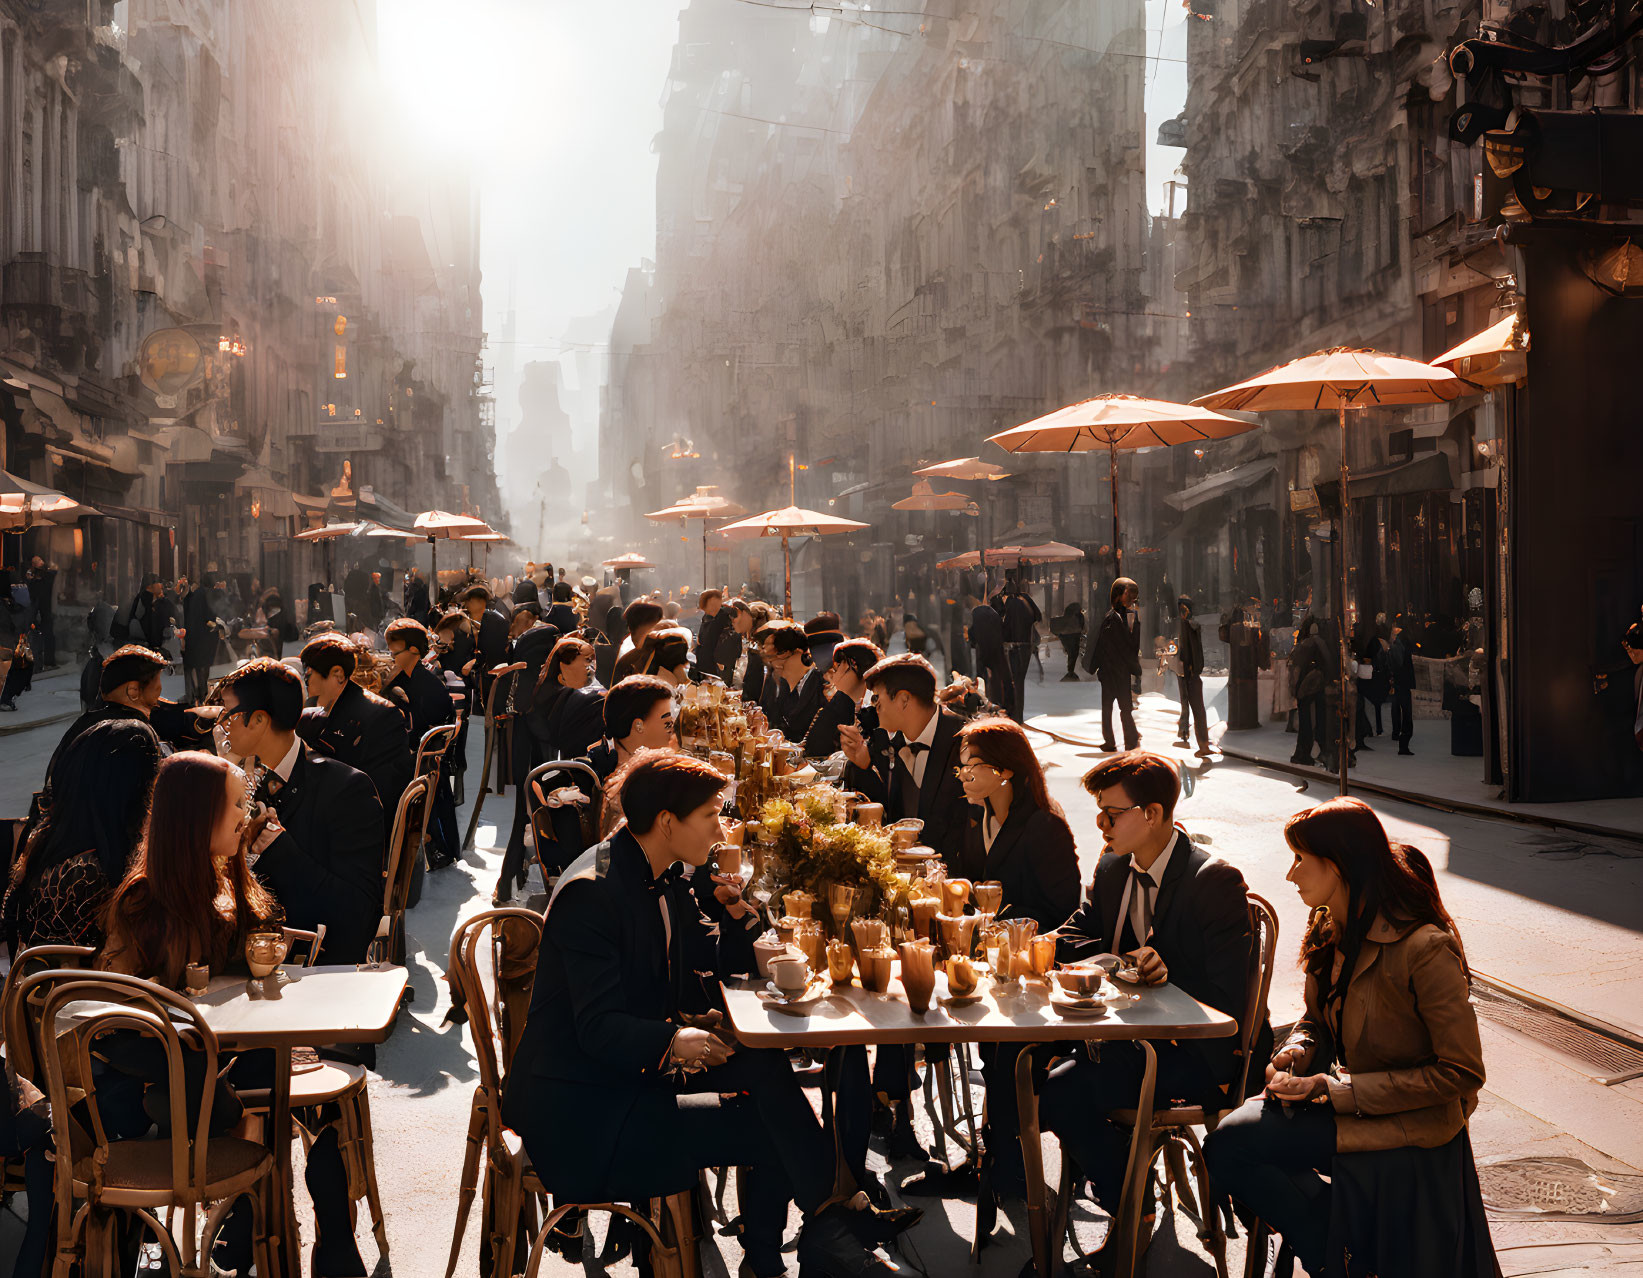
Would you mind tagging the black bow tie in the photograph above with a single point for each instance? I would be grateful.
(902, 743)
(660, 883)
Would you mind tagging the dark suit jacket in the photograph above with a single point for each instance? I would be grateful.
(171, 723)
(367, 732)
(1036, 860)
(428, 701)
(1189, 646)
(609, 990)
(799, 706)
(987, 638)
(1021, 614)
(1117, 648)
(1200, 928)
(823, 737)
(707, 643)
(493, 638)
(942, 806)
(327, 865)
(566, 723)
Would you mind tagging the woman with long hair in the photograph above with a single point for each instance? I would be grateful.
(1387, 1057)
(189, 896)
(1018, 836)
(79, 851)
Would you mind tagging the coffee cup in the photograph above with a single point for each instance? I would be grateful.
(766, 948)
(876, 965)
(790, 972)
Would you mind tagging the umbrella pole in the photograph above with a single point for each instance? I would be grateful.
(1112, 476)
(433, 570)
(704, 554)
(1343, 751)
(787, 580)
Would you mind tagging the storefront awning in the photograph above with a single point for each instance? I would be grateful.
(1224, 484)
(1428, 473)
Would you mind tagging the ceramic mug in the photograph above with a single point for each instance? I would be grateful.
(790, 972)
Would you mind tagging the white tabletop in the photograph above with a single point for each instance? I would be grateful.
(1013, 1013)
(314, 1007)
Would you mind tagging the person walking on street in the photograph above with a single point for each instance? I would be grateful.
(1189, 650)
(1021, 618)
(1308, 666)
(42, 583)
(203, 611)
(992, 660)
(1117, 660)
(1402, 677)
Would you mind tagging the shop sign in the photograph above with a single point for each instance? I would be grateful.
(348, 437)
(170, 361)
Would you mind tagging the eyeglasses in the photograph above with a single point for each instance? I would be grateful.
(1112, 814)
(967, 771)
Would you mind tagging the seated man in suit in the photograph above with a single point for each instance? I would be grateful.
(351, 723)
(490, 630)
(786, 651)
(623, 1060)
(907, 764)
(321, 852)
(850, 661)
(1184, 917)
(427, 705)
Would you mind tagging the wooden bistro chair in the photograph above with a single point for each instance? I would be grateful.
(190, 1170)
(554, 846)
(1172, 1130)
(404, 846)
(431, 751)
(493, 963)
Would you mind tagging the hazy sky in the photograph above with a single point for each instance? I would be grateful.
(555, 103)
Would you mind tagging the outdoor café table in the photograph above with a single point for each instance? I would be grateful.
(308, 1007)
(847, 1016)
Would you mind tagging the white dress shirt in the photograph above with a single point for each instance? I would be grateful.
(284, 767)
(918, 760)
(1129, 904)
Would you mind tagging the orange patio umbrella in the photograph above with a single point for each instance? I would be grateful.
(706, 504)
(786, 523)
(633, 559)
(1342, 377)
(964, 468)
(1494, 357)
(1116, 422)
(441, 525)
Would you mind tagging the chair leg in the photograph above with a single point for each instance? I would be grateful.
(505, 1223)
(1255, 1252)
(534, 1264)
(679, 1221)
(1210, 1232)
(1175, 1164)
(470, 1179)
(368, 1158)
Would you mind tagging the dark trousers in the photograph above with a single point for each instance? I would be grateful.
(523, 758)
(1192, 703)
(1267, 1156)
(1069, 645)
(1118, 689)
(199, 683)
(768, 1128)
(1309, 727)
(1403, 715)
(1021, 656)
(442, 827)
(1079, 1094)
(1362, 729)
(892, 1074)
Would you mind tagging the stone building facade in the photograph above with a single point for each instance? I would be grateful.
(220, 319)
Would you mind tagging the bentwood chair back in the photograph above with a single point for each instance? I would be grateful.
(405, 845)
(436, 742)
(20, 1027)
(492, 968)
(559, 841)
(1172, 1131)
(189, 1169)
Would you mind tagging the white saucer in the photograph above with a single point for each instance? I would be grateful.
(816, 987)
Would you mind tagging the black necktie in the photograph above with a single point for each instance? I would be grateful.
(1142, 883)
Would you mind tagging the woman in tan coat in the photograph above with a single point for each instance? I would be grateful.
(1387, 1057)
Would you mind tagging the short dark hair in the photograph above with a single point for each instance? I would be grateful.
(785, 637)
(665, 647)
(633, 699)
(711, 593)
(130, 664)
(1147, 778)
(660, 781)
(410, 632)
(325, 653)
(824, 623)
(476, 591)
(565, 650)
(562, 593)
(904, 672)
(271, 686)
(641, 612)
(860, 655)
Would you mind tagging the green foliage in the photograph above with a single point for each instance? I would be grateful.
(812, 851)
